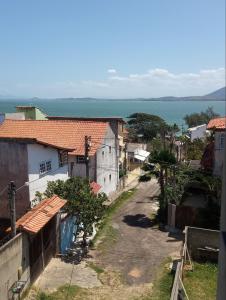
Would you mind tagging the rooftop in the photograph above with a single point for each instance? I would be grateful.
(64, 134)
(218, 124)
(34, 220)
(103, 119)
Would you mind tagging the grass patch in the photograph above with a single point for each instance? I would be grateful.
(96, 268)
(163, 284)
(64, 292)
(202, 282)
(105, 229)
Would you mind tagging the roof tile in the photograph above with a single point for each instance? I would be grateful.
(68, 134)
(34, 220)
(218, 123)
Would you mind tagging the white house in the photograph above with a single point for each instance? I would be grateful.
(30, 163)
(102, 155)
(218, 126)
(197, 132)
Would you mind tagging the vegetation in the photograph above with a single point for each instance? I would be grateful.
(64, 292)
(145, 177)
(204, 117)
(202, 282)
(87, 207)
(195, 149)
(145, 127)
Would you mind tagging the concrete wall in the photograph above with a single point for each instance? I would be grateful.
(219, 152)
(107, 164)
(13, 167)
(14, 264)
(36, 155)
(199, 238)
(79, 169)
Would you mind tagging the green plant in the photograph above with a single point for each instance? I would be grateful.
(87, 207)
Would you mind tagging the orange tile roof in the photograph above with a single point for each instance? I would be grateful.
(95, 187)
(34, 220)
(59, 133)
(218, 123)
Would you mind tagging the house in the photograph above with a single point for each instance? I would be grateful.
(31, 112)
(67, 136)
(197, 132)
(37, 240)
(24, 113)
(30, 160)
(218, 127)
(117, 126)
(137, 153)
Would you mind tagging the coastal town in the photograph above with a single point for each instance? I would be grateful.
(100, 207)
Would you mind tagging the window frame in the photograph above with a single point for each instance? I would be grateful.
(80, 159)
(40, 168)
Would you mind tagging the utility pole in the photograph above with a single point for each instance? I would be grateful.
(125, 165)
(12, 205)
(87, 149)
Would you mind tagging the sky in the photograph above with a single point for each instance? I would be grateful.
(111, 48)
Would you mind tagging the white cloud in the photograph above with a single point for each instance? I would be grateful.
(112, 71)
(152, 83)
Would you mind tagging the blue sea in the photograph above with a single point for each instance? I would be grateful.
(171, 111)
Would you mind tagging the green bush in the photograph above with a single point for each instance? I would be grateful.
(145, 177)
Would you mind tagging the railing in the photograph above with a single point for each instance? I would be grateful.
(178, 288)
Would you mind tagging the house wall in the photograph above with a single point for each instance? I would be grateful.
(14, 264)
(107, 164)
(219, 152)
(198, 133)
(36, 155)
(13, 167)
(79, 169)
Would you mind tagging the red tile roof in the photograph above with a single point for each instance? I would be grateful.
(59, 133)
(95, 187)
(218, 123)
(34, 220)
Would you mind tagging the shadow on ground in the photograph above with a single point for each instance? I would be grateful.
(138, 220)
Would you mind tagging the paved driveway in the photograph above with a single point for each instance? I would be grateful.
(140, 247)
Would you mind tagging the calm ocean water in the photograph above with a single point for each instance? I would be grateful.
(172, 112)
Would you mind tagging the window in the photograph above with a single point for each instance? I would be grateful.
(222, 141)
(103, 153)
(48, 165)
(109, 149)
(81, 159)
(42, 167)
(63, 158)
(104, 179)
(110, 177)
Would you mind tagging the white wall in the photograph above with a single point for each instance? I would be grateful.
(219, 152)
(107, 164)
(198, 132)
(37, 154)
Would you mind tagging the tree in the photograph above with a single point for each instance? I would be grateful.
(165, 159)
(146, 125)
(87, 207)
(195, 149)
(204, 117)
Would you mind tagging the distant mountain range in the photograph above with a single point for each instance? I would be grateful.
(218, 95)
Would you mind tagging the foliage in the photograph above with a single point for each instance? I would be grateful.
(163, 157)
(202, 282)
(87, 207)
(146, 125)
(176, 187)
(195, 149)
(204, 117)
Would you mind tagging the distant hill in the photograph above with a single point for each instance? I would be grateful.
(218, 95)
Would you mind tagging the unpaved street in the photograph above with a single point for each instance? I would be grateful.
(140, 247)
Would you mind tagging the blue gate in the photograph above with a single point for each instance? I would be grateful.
(68, 230)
